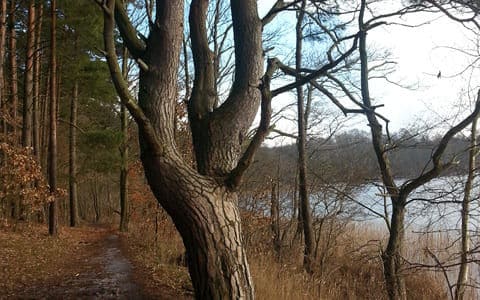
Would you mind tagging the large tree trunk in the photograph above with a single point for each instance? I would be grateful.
(52, 144)
(72, 179)
(202, 202)
(207, 217)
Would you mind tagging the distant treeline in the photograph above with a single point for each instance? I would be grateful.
(349, 157)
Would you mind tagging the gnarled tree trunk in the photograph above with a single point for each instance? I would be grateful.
(202, 202)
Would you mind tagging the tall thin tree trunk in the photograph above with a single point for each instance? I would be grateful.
(96, 204)
(275, 218)
(36, 83)
(52, 149)
(306, 212)
(124, 154)
(44, 114)
(72, 179)
(12, 44)
(3, 34)
(462, 279)
(27, 109)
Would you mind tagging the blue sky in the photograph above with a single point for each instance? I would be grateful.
(420, 53)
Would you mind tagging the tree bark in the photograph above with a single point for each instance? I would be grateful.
(72, 179)
(275, 218)
(27, 109)
(12, 44)
(306, 212)
(96, 203)
(462, 278)
(3, 100)
(36, 83)
(45, 124)
(13, 118)
(392, 259)
(124, 154)
(202, 202)
(207, 217)
(52, 145)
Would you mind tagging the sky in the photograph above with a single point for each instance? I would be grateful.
(420, 54)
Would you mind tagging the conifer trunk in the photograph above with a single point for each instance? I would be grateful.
(12, 44)
(27, 109)
(73, 197)
(3, 100)
(52, 148)
(36, 83)
(124, 154)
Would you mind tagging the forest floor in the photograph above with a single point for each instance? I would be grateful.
(89, 262)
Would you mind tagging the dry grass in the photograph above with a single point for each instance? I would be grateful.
(351, 269)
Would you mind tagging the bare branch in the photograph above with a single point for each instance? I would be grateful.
(203, 93)
(121, 85)
(135, 45)
(438, 166)
(320, 72)
(278, 7)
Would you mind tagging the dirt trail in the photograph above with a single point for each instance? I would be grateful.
(98, 271)
(108, 275)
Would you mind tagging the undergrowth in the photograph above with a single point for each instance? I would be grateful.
(351, 267)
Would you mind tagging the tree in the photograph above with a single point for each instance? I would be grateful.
(3, 35)
(27, 108)
(72, 178)
(37, 82)
(52, 144)
(124, 153)
(12, 44)
(305, 209)
(202, 202)
(398, 194)
(462, 278)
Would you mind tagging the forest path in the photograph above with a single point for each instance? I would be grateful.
(84, 263)
(105, 273)
(96, 270)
